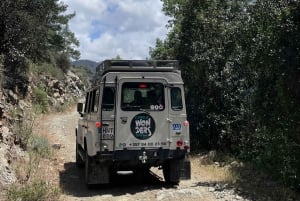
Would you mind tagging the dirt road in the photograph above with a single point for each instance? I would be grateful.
(62, 171)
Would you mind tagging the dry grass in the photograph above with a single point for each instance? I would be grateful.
(251, 182)
(211, 172)
(31, 171)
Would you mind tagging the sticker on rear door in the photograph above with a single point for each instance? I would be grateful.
(176, 127)
(142, 126)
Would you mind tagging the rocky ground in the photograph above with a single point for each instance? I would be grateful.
(62, 171)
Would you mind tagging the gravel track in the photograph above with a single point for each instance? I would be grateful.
(62, 171)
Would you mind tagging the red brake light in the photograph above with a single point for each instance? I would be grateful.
(186, 147)
(143, 86)
(179, 143)
(98, 124)
(186, 123)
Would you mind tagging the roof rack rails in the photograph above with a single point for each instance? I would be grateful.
(136, 65)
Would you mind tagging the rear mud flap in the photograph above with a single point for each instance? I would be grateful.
(185, 171)
(99, 174)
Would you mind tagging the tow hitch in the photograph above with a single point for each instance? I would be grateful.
(143, 157)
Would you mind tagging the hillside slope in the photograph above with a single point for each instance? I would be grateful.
(18, 113)
(86, 63)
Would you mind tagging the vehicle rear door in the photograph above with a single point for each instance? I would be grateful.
(179, 128)
(142, 116)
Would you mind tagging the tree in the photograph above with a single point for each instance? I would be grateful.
(243, 61)
(32, 30)
(118, 57)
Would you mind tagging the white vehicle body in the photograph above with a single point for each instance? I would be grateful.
(134, 118)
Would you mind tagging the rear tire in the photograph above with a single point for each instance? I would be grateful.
(87, 170)
(79, 161)
(141, 174)
(171, 171)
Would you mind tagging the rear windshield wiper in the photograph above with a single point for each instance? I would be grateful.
(144, 110)
(131, 107)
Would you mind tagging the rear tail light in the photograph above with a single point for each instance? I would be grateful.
(186, 123)
(179, 143)
(98, 124)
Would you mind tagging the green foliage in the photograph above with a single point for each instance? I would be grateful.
(38, 148)
(63, 62)
(41, 99)
(118, 57)
(40, 145)
(47, 69)
(244, 63)
(36, 191)
(23, 130)
(34, 30)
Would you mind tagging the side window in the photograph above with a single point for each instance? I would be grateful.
(91, 101)
(108, 100)
(176, 98)
(96, 101)
(90, 104)
(86, 105)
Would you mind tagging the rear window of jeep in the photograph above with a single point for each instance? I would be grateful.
(139, 95)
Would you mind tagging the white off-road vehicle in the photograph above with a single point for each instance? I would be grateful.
(134, 118)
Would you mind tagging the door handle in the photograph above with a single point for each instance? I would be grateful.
(84, 126)
(124, 120)
(105, 124)
(169, 120)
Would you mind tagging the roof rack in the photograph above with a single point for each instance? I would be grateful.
(136, 65)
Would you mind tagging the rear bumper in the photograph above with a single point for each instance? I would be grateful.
(140, 157)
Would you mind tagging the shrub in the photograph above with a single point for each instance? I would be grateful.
(41, 99)
(47, 69)
(39, 145)
(35, 191)
(24, 132)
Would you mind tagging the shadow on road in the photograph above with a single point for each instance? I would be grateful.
(72, 182)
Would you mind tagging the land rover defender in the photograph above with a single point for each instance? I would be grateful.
(134, 118)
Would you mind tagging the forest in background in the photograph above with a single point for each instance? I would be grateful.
(240, 61)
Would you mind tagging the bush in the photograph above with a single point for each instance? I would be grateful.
(40, 145)
(35, 191)
(63, 62)
(41, 99)
(38, 149)
(47, 69)
(24, 132)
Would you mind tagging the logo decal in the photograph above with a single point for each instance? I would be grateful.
(176, 127)
(142, 126)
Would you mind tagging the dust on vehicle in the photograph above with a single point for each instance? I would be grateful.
(134, 118)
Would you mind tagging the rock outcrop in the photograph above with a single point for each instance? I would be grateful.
(13, 109)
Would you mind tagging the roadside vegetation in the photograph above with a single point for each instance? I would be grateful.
(35, 43)
(240, 63)
(31, 184)
(221, 170)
